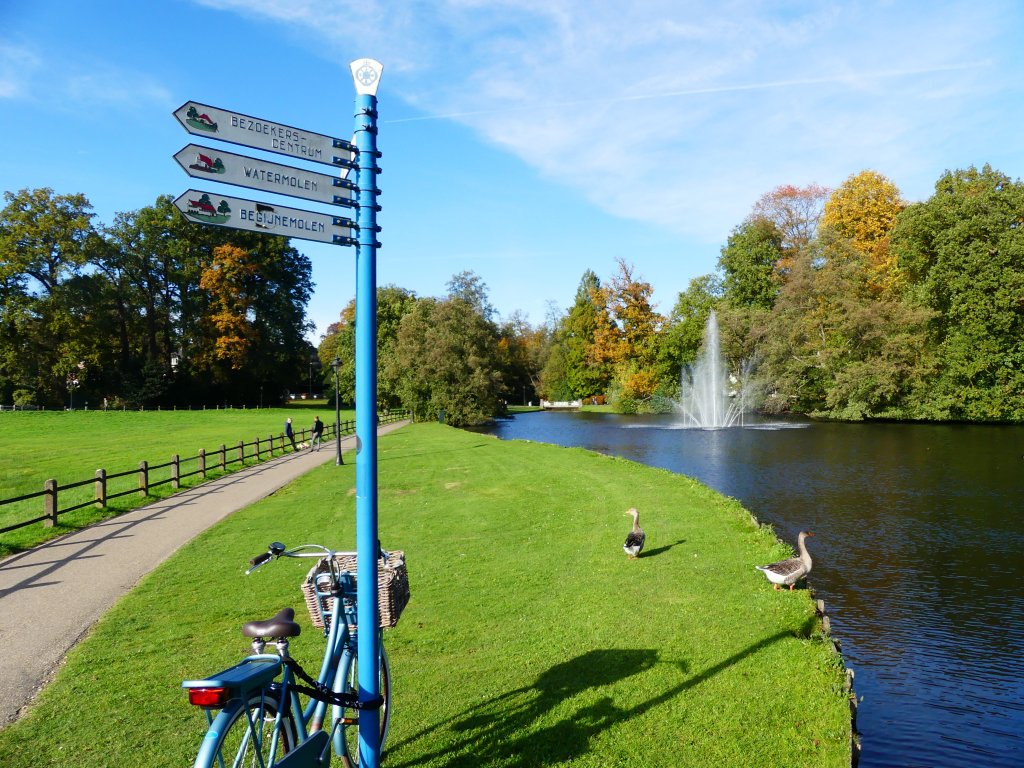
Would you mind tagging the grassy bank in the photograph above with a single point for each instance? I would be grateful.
(530, 640)
(71, 446)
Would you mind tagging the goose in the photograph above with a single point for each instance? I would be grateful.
(635, 538)
(789, 572)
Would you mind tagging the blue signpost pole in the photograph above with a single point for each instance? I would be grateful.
(366, 74)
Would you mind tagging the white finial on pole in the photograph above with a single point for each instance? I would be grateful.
(366, 75)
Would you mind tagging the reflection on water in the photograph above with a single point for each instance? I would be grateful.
(919, 555)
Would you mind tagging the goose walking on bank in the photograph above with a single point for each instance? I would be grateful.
(635, 538)
(789, 572)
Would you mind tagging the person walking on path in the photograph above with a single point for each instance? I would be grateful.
(290, 433)
(318, 433)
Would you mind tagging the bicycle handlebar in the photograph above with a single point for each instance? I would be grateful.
(277, 549)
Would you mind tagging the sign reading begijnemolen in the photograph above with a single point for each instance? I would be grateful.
(224, 125)
(238, 213)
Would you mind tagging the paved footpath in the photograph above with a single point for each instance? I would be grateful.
(51, 596)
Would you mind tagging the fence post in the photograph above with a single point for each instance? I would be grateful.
(144, 478)
(259, 450)
(241, 452)
(223, 457)
(175, 471)
(271, 439)
(50, 503)
(101, 487)
(202, 462)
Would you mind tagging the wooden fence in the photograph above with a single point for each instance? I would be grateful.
(172, 472)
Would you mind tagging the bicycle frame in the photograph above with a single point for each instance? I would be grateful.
(237, 687)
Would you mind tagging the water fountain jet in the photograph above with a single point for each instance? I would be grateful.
(709, 397)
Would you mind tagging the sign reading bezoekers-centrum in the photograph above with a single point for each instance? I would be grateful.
(224, 125)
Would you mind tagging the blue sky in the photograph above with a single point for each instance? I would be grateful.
(526, 140)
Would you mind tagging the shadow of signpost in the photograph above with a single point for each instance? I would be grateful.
(508, 731)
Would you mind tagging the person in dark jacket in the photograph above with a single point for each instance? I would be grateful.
(289, 433)
(318, 434)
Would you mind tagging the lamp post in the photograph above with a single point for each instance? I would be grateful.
(72, 386)
(336, 364)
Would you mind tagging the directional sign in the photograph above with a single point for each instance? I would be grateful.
(252, 216)
(229, 168)
(215, 123)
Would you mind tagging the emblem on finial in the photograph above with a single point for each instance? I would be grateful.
(366, 75)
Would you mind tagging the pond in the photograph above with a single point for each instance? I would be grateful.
(918, 554)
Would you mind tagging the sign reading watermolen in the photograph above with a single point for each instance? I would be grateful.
(335, 191)
(230, 168)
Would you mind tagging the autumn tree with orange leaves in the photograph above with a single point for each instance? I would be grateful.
(226, 281)
(627, 336)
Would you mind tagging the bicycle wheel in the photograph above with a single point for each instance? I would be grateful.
(248, 737)
(350, 723)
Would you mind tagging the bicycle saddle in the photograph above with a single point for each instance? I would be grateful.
(281, 625)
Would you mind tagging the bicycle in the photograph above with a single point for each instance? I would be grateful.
(253, 710)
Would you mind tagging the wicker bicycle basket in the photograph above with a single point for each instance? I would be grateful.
(392, 588)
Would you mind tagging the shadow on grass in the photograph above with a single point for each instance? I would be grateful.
(508, 731)
(660, 550)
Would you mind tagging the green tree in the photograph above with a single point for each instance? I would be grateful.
(684, 331)
(572, 370)
(471, 288)
(46, 242)
(521, 349)
(962, 251)
(447, 353)
(393, 303)
(155, 263)
(833, 346)
(748, 263)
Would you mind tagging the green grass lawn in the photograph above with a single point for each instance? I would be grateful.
(530, 639)
(71, 446)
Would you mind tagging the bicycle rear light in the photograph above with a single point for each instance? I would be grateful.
(208, 697)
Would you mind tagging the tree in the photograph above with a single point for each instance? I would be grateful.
(962, 252)
(795, 213)
(469, 287)
(520, 351)
(46, 242)
(864, 210)
(393, 303)
(684, 331)
(227, 280)
(626, 336)
(572, 369)
(45, 237)
(446, 354)
(749, 261)
(833, 346)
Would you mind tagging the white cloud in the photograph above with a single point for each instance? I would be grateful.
(16, 66)
(677, 113)
(114, 88)
(64, 84)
